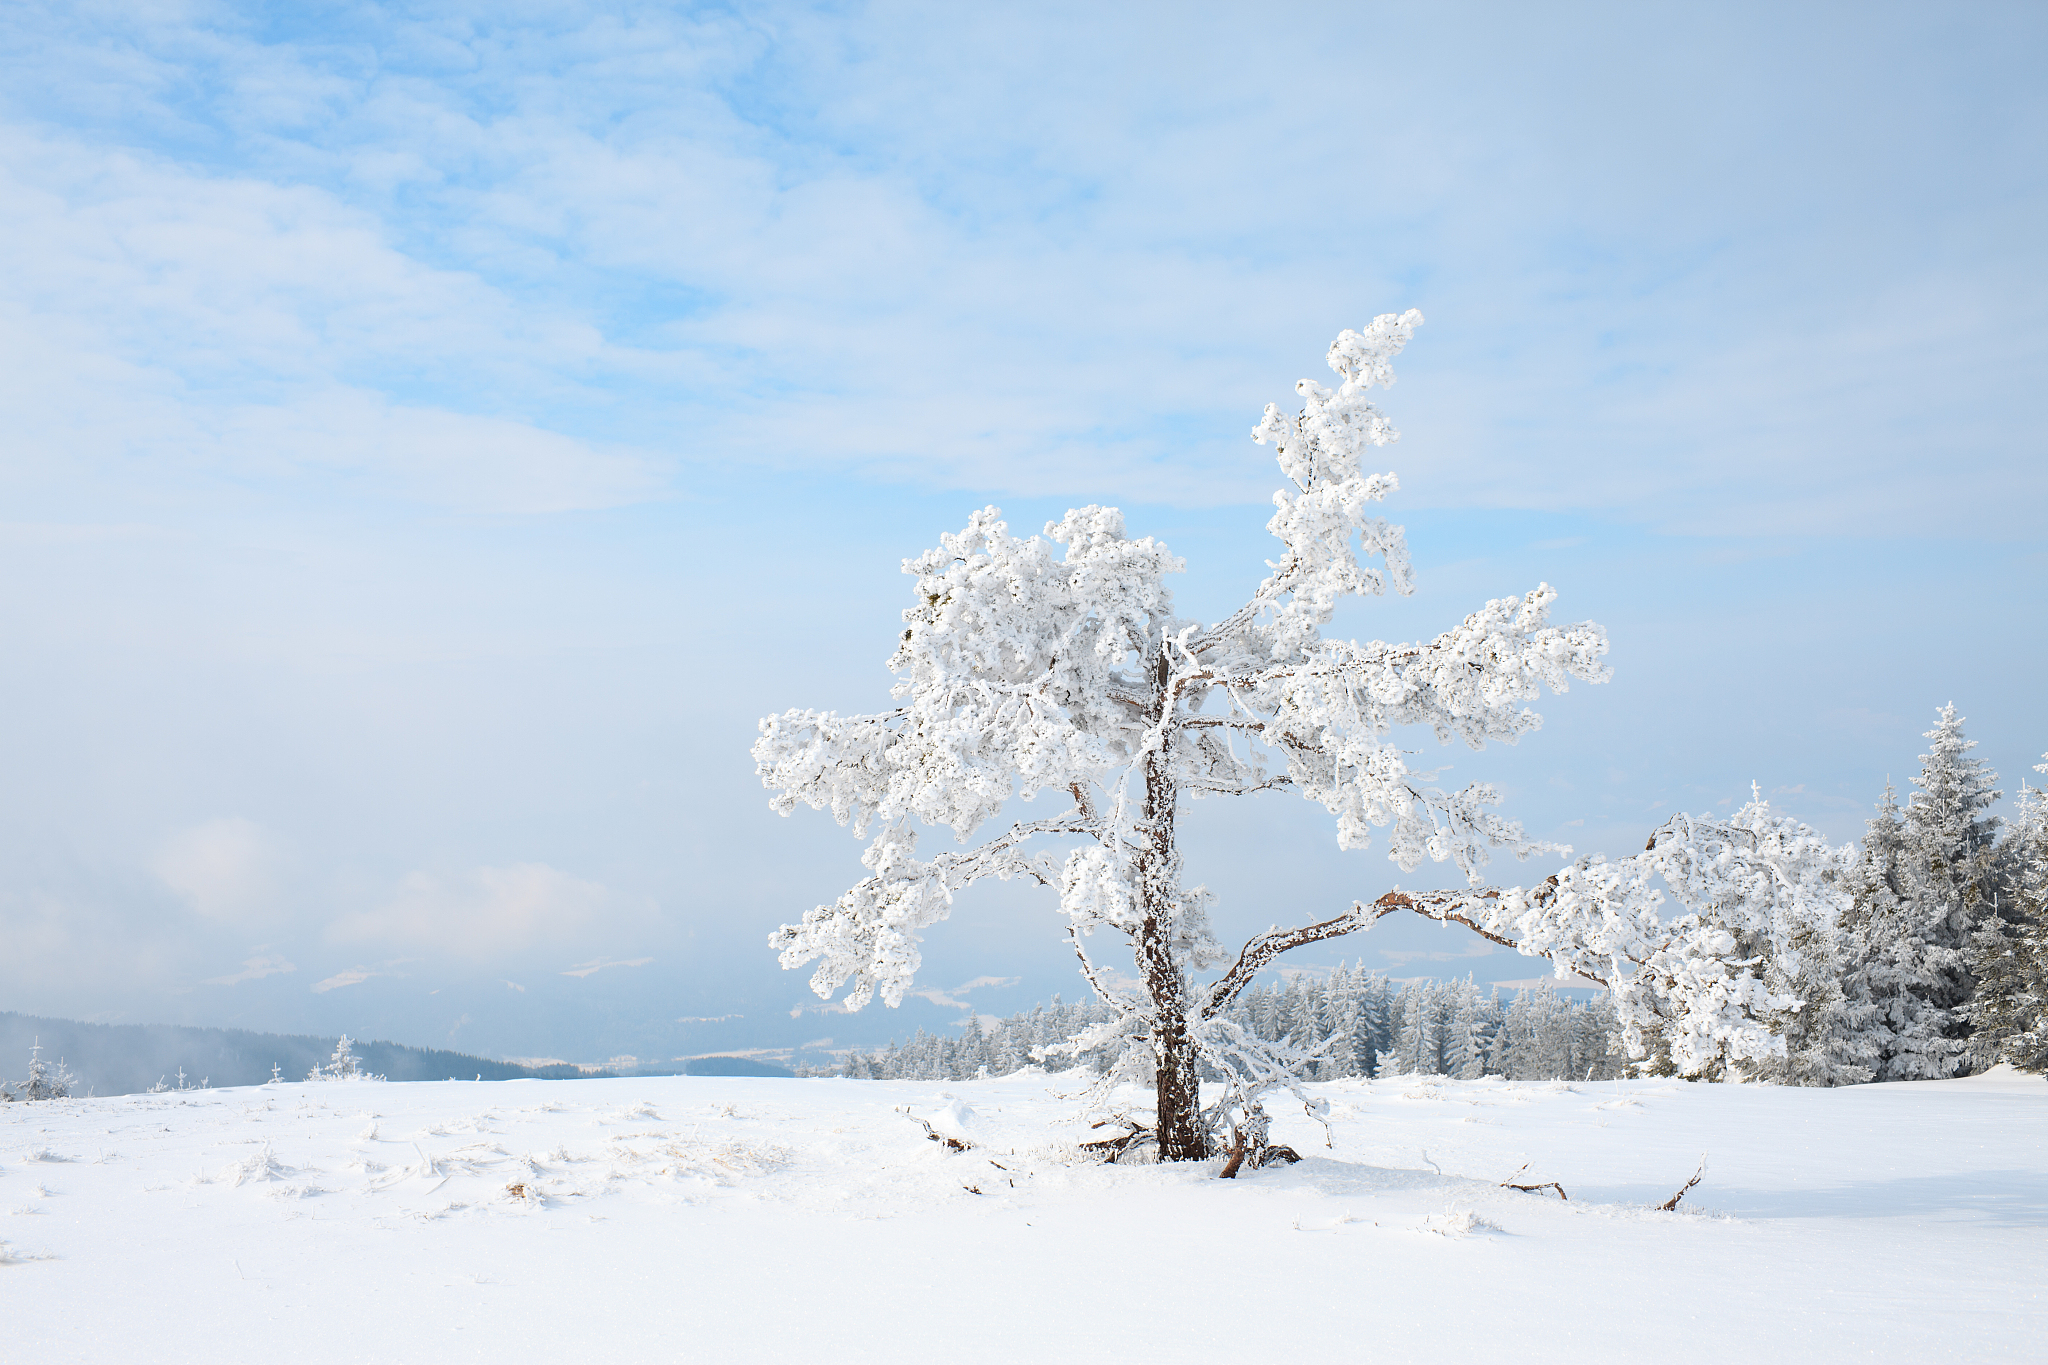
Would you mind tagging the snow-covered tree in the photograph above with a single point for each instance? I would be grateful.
(1057, 666)
(1695, 993)
(2008, 952)
(46, 1080)
(1927, 879)
(1886, 956)
(343, 1065)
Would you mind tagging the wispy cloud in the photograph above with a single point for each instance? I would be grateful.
(582, 969)
(950, 997)
(254, 969)
(652, 239)
(354, 976)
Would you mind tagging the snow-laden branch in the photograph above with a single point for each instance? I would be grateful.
(1263, 948)
(870, 934)
(1750, 889)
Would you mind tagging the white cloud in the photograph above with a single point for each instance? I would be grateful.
(622, 244)
(224, 869)
(254, 969)
(478, 914)
(950, 996)
(160, 291)
(354, 976)
(583, 969)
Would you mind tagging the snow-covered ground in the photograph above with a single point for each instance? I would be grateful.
(740, 1219)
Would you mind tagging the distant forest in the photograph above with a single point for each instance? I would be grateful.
(123, 1059)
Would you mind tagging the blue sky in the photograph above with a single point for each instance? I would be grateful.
(436, 436)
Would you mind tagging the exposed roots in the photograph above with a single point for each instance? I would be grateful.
(1261, 1154)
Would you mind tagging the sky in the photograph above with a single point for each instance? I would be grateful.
(436, 435)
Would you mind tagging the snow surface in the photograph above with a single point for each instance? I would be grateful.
(741, 1219)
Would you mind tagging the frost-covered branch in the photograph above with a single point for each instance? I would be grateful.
(1704, 985)
(1265, 947)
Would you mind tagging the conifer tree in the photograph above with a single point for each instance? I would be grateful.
(2008, 953)
(1464, 1048)
(1927, 878)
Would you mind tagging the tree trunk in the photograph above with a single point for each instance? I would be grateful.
(1177, 1085)
(1179, 1096)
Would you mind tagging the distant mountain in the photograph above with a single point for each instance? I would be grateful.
(122, 1059)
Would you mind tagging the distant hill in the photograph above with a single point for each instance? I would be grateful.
(122, 1059)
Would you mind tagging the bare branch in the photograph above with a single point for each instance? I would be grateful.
(1102, 992)
(1671, 1204)
(1509, 1184)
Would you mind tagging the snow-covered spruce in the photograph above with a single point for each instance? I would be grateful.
(2008, 950)
(45, 1080)
(1929, 879)
(343, 1065)
(1022, 671)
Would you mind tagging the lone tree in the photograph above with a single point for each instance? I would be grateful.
(1023, 670)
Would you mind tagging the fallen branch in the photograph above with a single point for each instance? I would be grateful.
(1109, 1149)
(956, 1144)
(1509, 1184)
(1668, 1205)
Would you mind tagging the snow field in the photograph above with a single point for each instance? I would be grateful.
(715, 1219)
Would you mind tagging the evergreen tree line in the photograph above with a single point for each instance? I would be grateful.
(1934, 963)
(1938, 964)
(1359, 1023)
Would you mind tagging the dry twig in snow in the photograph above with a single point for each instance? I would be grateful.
(1672, 1203)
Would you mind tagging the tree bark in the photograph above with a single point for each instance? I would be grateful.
(1176, 1080)
(1178, 1094)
